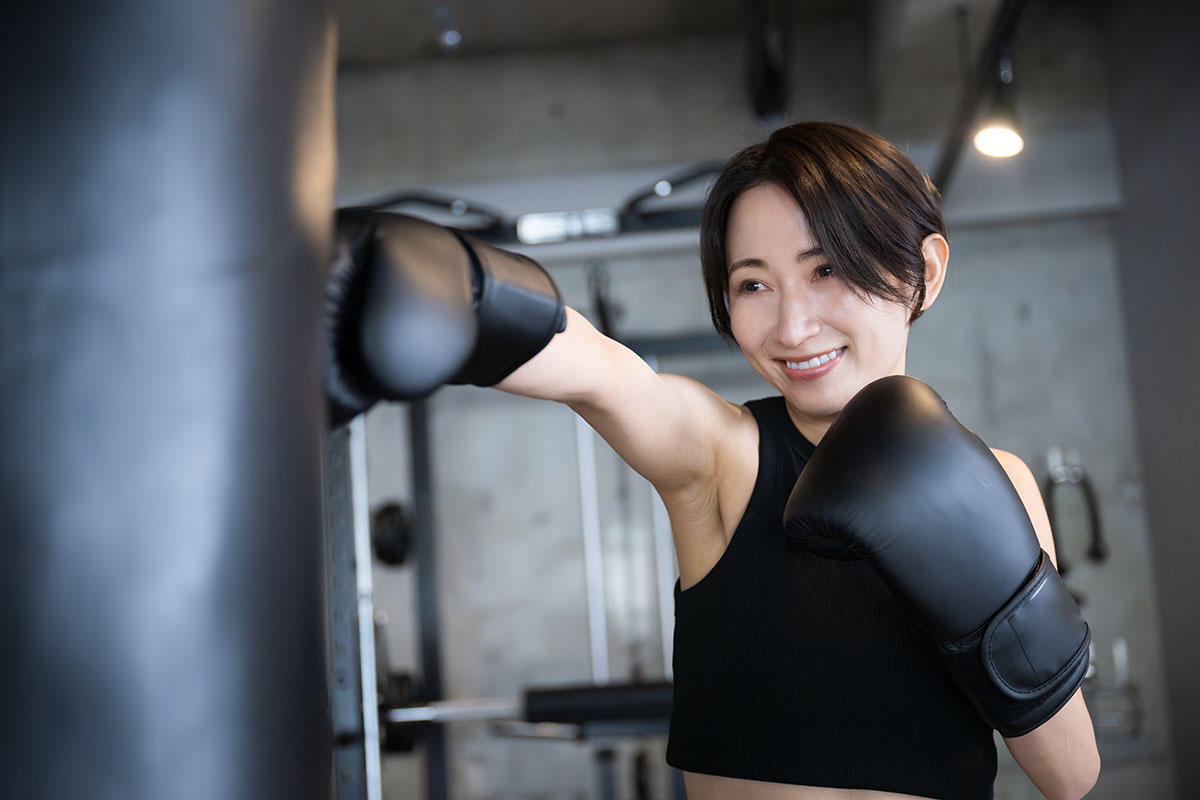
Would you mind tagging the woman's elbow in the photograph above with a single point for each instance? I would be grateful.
(1060, 756)
(1087, 780)
(1080, 780)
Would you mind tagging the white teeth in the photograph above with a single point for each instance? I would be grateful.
(815, 362)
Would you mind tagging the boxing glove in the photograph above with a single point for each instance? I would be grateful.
(411, 305)
(898, 482)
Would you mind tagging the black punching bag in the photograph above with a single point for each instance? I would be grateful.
(165, 211)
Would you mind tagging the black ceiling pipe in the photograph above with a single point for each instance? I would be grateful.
(766, 52)
(1004, 24)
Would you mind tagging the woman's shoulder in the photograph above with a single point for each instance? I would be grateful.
(1017, 470)
(1023, 480)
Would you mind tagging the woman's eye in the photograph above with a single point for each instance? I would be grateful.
(824, 271)
(749, 287)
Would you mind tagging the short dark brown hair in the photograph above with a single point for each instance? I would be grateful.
(867, 205)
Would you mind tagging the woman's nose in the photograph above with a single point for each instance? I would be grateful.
(797, 321)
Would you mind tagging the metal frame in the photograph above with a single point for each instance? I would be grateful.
(365, 606)
(355, 724)
(352, 661)
(593, 551)
(425, 545)
(493, 226)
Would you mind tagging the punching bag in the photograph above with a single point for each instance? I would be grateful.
(165, 211)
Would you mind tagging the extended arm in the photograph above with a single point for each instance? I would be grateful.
(667, 427)
(412, 305)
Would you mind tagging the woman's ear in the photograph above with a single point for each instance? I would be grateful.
(936, 251)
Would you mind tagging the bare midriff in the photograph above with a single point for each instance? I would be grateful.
(714, 787)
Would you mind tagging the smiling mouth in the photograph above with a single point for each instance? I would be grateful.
(816, 361)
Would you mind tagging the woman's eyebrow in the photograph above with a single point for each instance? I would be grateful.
(758, 262)
(745, 262)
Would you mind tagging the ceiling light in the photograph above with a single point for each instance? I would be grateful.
(449, 35)
(999, 135)
(999, 141)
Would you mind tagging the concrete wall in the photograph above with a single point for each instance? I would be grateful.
(1156, 112)
(1026, 344)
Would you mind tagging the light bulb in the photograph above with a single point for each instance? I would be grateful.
(999, 142)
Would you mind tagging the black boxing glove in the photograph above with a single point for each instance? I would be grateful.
(410, 306)
(898, 482)
(518, 308)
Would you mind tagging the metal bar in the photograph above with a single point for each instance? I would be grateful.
(664, 569)
(516, 729)
(503, 234)
(626, 704)
(661, 220)
(686, 176)
(495, 708)
(427, 592)
(666, 574)
(593, 556)
(345, 700)
(361, 523)
(605, 773)
(1003, 25)
(686, 344)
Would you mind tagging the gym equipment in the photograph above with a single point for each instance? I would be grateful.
(374, 709)
(165, 220)
(1065, 470)
(391, 534)
(404, 709)
(611, 706)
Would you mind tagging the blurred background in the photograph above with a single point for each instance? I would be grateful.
(582, 134)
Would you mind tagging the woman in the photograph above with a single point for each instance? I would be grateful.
(799, 677)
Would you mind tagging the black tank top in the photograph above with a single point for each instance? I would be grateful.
(795, 669)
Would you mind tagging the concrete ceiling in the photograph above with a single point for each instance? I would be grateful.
(376, 32)
(911, 58)
(912, 50)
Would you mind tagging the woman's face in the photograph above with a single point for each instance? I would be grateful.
(810, 335)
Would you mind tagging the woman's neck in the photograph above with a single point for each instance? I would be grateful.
(811, 427)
